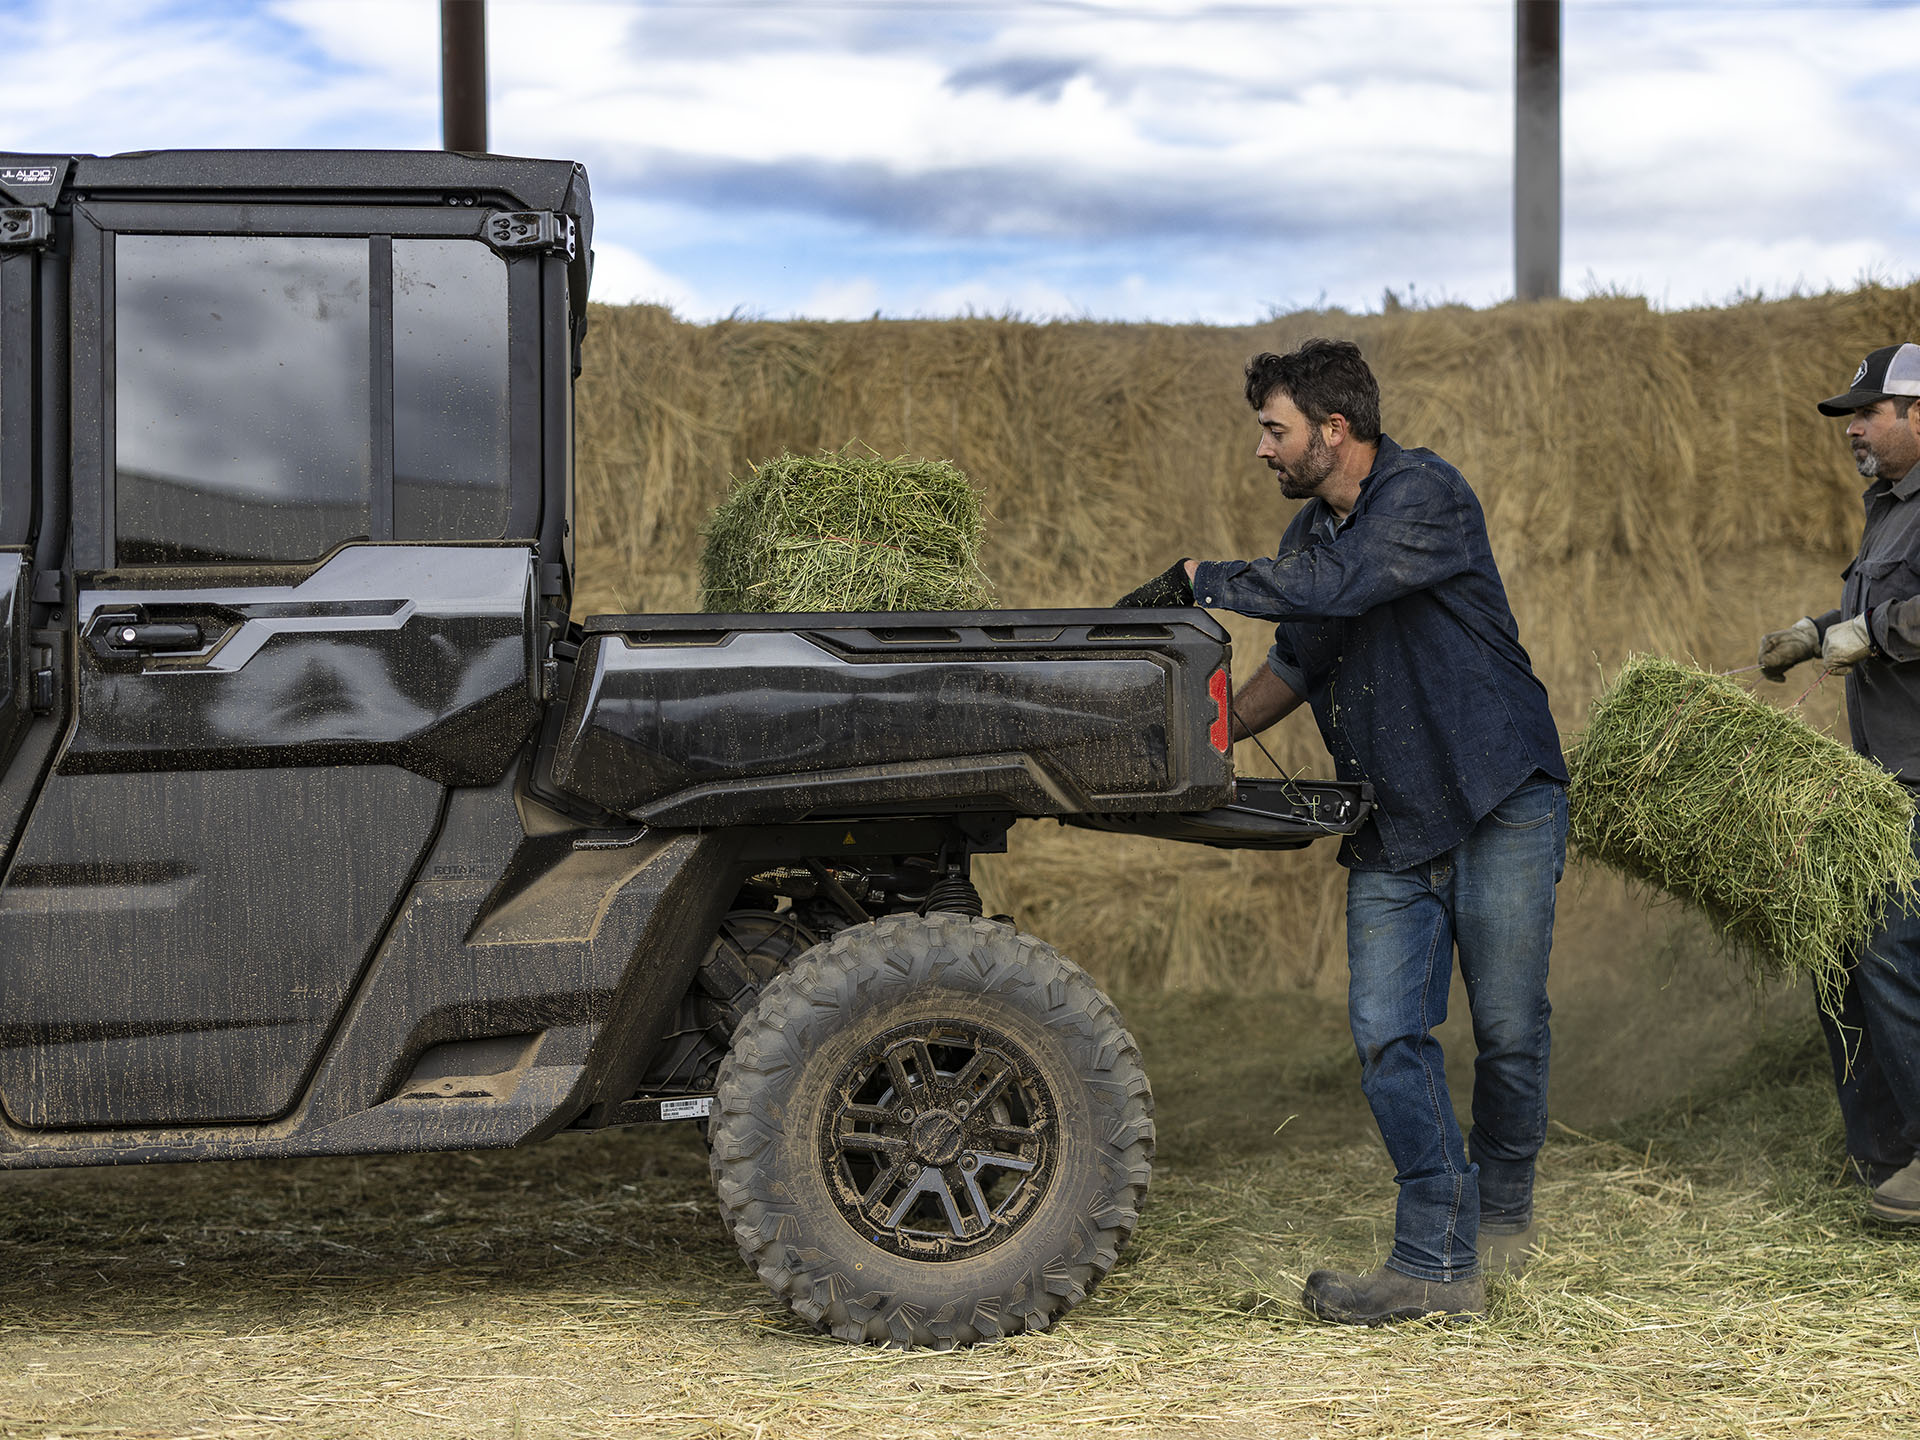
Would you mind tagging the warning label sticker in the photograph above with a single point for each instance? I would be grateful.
(686, 1109)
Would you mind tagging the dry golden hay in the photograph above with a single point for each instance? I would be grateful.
(1790, 842)
(1703, 1275)
(1653, 480)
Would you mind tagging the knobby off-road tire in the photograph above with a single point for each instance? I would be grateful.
(932, 1131)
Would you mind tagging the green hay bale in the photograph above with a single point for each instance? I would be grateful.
(1788, 841)
(840, 531)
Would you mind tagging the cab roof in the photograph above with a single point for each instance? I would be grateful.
(398, 176)
(559, 185)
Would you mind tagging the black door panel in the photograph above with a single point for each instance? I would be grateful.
(414, 656)
(16, 675)
(289, 602)
(179, 944)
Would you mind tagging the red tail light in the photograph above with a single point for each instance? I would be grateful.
(1221, 689)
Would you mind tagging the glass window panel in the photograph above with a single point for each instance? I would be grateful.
(242, 380)
(6, 420)
(450, 458)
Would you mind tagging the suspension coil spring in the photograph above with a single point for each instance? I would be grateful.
(954, 892)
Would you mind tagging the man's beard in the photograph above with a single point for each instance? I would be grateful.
(1867, 463)
(1299, 482)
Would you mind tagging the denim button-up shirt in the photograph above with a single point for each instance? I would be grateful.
(1883, 583)
(1395, 627)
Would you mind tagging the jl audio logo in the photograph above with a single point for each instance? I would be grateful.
(40, 175)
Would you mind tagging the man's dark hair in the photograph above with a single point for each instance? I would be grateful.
(1323, 378)
(1901, 404)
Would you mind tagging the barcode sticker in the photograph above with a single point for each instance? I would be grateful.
(686, 1109)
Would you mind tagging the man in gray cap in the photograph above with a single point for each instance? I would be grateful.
(1874, 638)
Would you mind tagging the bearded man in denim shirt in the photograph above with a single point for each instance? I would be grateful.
(1393, 624)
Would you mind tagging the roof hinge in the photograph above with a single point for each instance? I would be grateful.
(540, 230)
(26, 227)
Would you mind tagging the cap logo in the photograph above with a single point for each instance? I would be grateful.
(1859, 374)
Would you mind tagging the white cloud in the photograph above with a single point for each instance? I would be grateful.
(1119, 157)
(853, 298)
(623, 276)
(995, 293)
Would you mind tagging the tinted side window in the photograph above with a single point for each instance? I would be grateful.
(450, 455)
(16, 377)
(7, 362)
(242, 382)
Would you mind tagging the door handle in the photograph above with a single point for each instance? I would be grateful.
(126, 636)
(154, 635)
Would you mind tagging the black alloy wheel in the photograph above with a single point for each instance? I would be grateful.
(939, 1139)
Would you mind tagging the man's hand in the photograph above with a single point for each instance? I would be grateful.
(1847, 644)
(1781, 650)
(1170, 587)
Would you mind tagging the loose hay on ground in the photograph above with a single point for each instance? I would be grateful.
(1787, 840)
(842, 531)
(1703, 1275)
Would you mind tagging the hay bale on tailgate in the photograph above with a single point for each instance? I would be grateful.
(1790, 842)
(841, 531)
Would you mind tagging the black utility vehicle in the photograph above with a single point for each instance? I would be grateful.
(325, 831)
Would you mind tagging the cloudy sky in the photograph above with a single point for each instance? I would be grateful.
(1138, 159)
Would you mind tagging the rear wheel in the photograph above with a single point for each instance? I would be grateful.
(932, 1131)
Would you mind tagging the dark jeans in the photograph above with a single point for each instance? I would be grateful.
(1492, 896)
(1880, 1013)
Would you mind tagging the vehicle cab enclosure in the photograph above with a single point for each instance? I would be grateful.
(323, 829)
(283, 451)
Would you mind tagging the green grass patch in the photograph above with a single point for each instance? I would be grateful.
(845, 531)
(1788, 841)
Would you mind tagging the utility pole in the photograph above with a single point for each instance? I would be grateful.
(463, 75)
(1536, 149)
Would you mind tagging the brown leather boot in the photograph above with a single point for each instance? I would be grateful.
(1897, 1198)
(1384, 1297)
(1507, 1249)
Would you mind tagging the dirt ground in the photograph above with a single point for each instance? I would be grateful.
(1706, 1274)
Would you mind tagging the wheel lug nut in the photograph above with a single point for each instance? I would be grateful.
(969, 1163)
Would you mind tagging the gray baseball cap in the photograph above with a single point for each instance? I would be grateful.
(1889, 371)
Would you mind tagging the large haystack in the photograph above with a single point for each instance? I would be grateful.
(1652, 482)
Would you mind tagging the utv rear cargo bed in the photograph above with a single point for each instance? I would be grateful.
(703, 720)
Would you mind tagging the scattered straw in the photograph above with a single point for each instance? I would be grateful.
(1704, 1275)
(840, 531)
(1788, 841)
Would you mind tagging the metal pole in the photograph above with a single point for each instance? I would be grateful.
(1536, 149)
(463, 75)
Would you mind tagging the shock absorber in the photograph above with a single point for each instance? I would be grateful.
(953, 892)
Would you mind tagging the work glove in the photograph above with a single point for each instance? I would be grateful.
(1169, 587)
(1781, 650)
(1847, 644)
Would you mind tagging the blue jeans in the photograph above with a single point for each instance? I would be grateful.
(1880, 1012)
(1492, 896)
